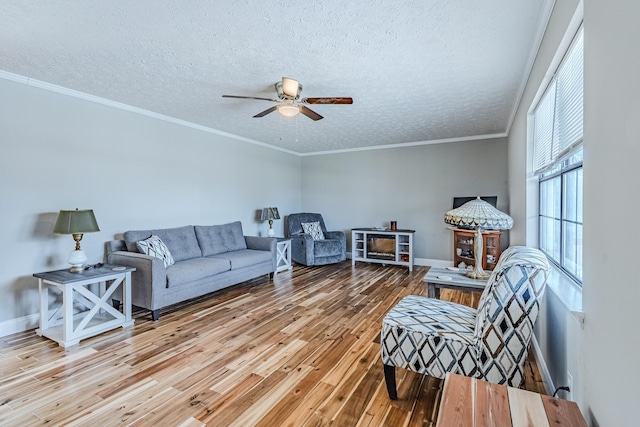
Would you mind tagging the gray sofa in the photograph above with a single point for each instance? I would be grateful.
(207, 258)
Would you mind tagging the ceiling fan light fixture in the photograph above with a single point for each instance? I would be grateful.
(290, 87)
(288, 110)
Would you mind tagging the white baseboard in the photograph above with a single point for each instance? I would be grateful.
(546, 376)
(21, 324)
(425, 261)
(433, 262)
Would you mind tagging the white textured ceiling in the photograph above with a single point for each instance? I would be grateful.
(423, 70)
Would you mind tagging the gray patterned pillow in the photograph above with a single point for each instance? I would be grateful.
(313, 229)
(154, 246)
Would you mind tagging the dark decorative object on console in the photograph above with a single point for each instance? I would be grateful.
(459, 201)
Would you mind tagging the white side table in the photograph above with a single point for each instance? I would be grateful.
(283, 259)
(97, 315)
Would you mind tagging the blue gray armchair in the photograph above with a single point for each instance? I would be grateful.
(305, 250)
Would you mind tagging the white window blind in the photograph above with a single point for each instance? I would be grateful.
(570, 83)
(558, 117)
(543, 120)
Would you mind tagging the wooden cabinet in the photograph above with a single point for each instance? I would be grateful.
(382, 246)
(463, 247)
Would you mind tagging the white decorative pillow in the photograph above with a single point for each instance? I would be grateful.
(154, 246)
(313, 229)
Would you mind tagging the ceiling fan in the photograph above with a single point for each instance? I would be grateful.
(289, 102)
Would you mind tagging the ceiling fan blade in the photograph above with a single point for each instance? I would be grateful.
(327, 100)
(267, 111)
(310, 113)
(249, 97)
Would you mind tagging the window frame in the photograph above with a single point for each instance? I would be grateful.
(560, 170)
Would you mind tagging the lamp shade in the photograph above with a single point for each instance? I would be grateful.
(269, 214)
(290, 87)
(77, 221)
(478, 214)
(288, 110)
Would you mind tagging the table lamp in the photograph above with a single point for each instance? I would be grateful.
(76, 223)
(478, 215)
(269, 214)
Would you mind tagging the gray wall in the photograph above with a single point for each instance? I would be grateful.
(602, 356)
(611, 180)
(134, 171)
(414, 186)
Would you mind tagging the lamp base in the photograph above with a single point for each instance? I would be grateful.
(478, 275)
(77, 259)
(478, 272)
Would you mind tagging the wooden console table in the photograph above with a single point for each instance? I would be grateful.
(472, 402)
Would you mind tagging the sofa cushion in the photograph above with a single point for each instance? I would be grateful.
(313, 229)
(190, 270)
(218, 239)
(181, 241)
(132, 237)
(154, 246)
(244, 258)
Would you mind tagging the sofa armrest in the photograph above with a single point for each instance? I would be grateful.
(149, 279)
(260, 243)
(263, 244)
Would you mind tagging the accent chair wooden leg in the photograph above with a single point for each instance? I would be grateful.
(155, 315)
(390, 379)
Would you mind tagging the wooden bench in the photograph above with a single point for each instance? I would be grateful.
(472, 402)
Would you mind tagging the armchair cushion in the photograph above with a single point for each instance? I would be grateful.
(313, 229)
(322, 248)
(429, 335)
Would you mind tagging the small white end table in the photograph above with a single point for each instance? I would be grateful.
(283, 259)
(96, 315)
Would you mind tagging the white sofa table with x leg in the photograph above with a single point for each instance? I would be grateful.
(284, 254)
(85, 310)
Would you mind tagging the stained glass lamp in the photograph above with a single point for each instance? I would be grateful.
(478, 215)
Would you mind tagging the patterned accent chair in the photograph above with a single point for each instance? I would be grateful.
(304, 250)
(433, 337)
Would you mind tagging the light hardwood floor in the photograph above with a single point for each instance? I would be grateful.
(302, 350)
